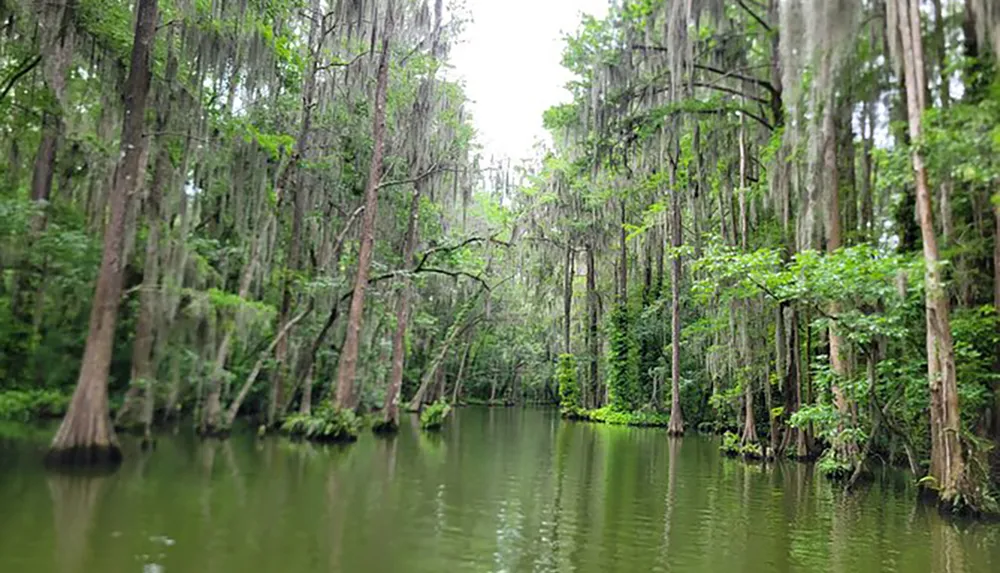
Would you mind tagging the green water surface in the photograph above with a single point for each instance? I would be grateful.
(497, 490)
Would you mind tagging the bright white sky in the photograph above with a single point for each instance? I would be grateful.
(509, 58)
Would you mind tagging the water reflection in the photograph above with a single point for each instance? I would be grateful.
(75, 499)
(497, 490)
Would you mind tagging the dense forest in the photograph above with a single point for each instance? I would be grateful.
(775, 220)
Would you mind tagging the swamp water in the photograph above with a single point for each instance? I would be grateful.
(497, 490)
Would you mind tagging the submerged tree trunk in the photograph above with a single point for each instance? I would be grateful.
(348, 363)
(749, 420)
(794, 437)
(676, 426)
(846, 451)
(299, 206)
(947, 462)
(309, 368)
(457, 389)
(86, 435)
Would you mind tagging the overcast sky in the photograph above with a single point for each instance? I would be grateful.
(510, 59)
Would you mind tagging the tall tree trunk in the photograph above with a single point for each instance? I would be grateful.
(348, 363)
(142, 375)
(947, 462)
(749, 420)
(234, 405)
(940, 49)
(568, 299)
(143, 369)
(429, 375)
(846, 452)
(300, 201)
(212, 422)
(743, 185)
(996, 308)
(56, 36)
(676, 426)
(593, 344)
(45, 160)
(457, 389)
(780, 366)
(309, 368)
(623, 264)
(56, 39)
(867, 223)
(772, 422)
(390, 410)
(86, 435)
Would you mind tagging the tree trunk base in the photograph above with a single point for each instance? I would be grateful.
(385, 428)
(675, 428)
(216, 432)
(94, 456)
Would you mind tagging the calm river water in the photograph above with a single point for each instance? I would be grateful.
(498, 490)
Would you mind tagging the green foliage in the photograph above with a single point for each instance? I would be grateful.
(25, 405)
(433, 416)
(730, 444)
(834, 466)
(326, 424)
(623, 361)
(733, 446)
(976, 334)
(569, 387)
(610, 415)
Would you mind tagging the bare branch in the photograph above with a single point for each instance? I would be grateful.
(434, 169)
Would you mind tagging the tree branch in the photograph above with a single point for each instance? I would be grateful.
(26, 67)
(731, 91)
(732, 74)
(456, 274)
(754, 15)
(433, 169)
(342, 64)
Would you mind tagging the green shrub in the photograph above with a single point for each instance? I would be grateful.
(325, 424)
(433, 416)
(733, 446)
(623, 361)
(25, 405)
(833, 466)
(730, 444)
(569, 387)
(609, 415)
(753, 451)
